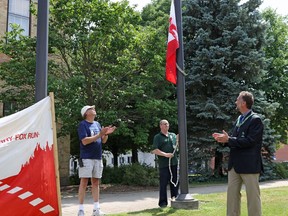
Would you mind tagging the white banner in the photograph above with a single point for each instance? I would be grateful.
(27, 174)
(21, 132)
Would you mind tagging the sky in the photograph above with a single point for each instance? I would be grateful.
(281, 6)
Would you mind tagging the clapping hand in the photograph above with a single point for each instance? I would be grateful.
(107, 130)
(221, 137)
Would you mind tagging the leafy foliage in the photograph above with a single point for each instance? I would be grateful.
(19, 73)
(98, 54)
(106, 58)
(135, 174)
(282, 170)
(276, 78)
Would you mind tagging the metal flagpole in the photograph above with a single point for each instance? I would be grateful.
(42, 50)
(182, 125)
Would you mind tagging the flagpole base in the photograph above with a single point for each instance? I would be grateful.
(185, 201)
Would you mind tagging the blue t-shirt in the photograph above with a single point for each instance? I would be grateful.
(91, 150)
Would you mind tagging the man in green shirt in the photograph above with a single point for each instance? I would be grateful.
(164, 146)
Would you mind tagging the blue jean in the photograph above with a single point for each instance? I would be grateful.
(165, 177)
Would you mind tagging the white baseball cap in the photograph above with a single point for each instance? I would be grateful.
(85, 108)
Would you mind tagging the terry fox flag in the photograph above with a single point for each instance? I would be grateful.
(172, 46)
(28, 183)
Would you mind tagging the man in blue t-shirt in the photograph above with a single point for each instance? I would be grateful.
(91, 136)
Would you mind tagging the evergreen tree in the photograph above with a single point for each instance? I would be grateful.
(223, 56)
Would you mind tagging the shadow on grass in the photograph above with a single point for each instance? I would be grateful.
(155, 212)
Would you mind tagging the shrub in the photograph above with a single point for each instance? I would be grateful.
(113, 175)
(282, 169)
(135, 174)
(74, 180)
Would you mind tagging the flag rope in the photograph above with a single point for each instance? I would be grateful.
(171, 174)
(180, 69)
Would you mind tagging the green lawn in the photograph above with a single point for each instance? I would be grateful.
(274, 203)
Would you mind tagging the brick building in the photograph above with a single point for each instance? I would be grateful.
(18, 12)
(281, 155)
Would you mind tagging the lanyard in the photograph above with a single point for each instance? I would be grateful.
(239, 124)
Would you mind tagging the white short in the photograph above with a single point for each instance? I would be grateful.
(92, 168)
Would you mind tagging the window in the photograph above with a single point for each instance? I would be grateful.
(129, 159)
(19, 13)
(122, 160)
(1, 109)
(8, 108)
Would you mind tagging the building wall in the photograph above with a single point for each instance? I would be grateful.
(63, 159)
(3, 23)
(123, 159)
(1, 109)
(3, 19)
(33, 22)
(3, 16)
(281, 155)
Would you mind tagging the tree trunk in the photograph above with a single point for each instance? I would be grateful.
(218, 166)
(134, 154)
(115, 156)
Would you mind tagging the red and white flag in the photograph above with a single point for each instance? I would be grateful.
(172, 46)
(27, 174)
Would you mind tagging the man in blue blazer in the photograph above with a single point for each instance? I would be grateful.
(245, 161)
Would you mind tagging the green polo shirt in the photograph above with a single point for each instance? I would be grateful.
(165, 144)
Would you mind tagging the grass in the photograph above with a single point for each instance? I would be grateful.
(274, 203)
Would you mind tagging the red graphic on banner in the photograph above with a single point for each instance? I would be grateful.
(33, 191)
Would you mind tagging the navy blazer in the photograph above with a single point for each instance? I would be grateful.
(245, 145)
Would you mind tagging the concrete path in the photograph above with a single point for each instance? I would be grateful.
(112, 203)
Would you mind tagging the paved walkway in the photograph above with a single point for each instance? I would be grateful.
(112, 203)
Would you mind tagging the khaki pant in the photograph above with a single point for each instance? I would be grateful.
(235, 182)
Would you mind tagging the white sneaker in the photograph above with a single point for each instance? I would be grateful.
(98, 212)
(81, 213)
